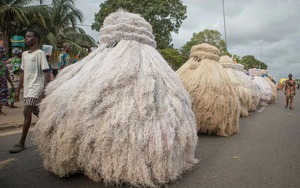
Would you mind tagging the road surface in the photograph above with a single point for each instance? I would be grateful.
(265, 153)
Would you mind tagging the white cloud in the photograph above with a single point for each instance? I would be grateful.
(273, 21)
(89, 8)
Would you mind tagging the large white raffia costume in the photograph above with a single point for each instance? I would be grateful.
(215, 102)
(121, 115)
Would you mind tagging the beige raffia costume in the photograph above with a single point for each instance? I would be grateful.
(247, 81)
(214, 100)
(123, 117)
(242, 91)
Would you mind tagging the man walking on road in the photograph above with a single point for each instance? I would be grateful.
(35, 75)
(290, 91)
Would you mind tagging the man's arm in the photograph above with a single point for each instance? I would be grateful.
(46, 81)
(46, 78)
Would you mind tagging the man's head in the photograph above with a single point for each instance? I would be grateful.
(32, 37)
(67, 47)
(290, 76)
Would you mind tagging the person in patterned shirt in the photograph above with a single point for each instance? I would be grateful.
(4, 76)
(16, 61)
(290, 91)
(64, 58)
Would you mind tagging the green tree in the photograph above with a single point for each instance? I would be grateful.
(237, 58)
(16, 14)
(164, 16)
(173, 57)
(62, 27)
(212, 37)
(250, 62)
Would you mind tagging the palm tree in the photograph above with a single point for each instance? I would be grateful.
(15, 15)
(62, 27)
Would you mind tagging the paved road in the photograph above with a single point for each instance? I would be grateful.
(266, 153)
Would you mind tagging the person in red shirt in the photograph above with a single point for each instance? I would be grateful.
(290, 91)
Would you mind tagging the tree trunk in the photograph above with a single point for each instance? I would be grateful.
(6, 44)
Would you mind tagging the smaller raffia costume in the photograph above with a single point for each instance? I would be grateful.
(214, 100)
(241, 89)
(121, 115)
(264, 87)
(247, 81)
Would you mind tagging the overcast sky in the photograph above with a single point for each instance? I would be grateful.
(273, 23)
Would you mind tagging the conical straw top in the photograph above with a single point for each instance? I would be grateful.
(226, 62)
(205, 51)
(122, 25)
(239, 67)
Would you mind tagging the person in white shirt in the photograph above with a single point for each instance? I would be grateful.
(35, 75)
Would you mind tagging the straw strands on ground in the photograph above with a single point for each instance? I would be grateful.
(243, 93)
(215, 102)
(124, 117)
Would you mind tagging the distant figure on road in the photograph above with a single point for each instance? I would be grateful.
(290, 91)
(35, 76)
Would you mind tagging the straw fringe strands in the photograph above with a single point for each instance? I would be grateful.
(274, 89)
(73, 69)
(214, 100)
(124, 117)
(249, 84)
(266, 90)
(243, 93)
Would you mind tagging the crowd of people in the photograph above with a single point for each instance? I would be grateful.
(10, 71)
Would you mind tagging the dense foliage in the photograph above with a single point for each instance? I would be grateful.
(212, 37)
(164, 16)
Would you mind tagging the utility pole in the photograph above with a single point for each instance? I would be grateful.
(260, 44)
(224, 24)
